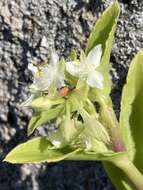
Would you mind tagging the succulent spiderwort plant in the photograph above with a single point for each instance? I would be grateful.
(75, 96)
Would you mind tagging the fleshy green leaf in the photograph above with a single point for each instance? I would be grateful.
(131, 122)
(107, 156)
(43, 117)
(131, 118)
(38, 150)
(103, 33)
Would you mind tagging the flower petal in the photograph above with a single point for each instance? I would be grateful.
(94, 56)
(54, 58)
(73, 68)
(44, 80)
(32, 68)
(60, 81)
(28, 101)
(95, 79)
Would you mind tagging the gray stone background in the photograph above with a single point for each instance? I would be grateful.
(27, 29)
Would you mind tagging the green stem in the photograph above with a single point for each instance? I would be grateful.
(110, 121)
(131, 171)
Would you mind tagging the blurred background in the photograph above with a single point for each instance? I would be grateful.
(28, 29)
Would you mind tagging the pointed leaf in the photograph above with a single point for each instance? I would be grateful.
(131, 122)
(131, 118)
(103, 33)
(38, 150)
(107, 156)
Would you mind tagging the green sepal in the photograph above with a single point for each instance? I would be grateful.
(45, 103)
(67, 133)
(79, 94)
(32, 122)
(38, 150)
(96, 130)
(73, 55)
(44, 117)
(71, 80)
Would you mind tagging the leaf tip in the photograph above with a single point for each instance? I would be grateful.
(7, 159)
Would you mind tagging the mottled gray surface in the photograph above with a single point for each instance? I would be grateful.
(27, 29)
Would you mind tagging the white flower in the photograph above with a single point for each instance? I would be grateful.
(87, 68)
(46, 75)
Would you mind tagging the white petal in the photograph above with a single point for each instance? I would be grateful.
(28, 101)
(94, 56)
(95, 79)
(44, 83)
(56, 143)
(44, 80)
(54, 58)
(73, 68)
(32, 68)
(60, 81)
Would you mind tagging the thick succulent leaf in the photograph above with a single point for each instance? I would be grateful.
(38, 150)
(86, 155)
(43, 117)
(131, 122)
(103, 33)
(131, 118)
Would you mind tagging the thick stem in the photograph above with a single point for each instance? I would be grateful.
(131, 171)
(110, 121)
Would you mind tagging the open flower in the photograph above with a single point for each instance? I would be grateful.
(47, 75)
(87, 68)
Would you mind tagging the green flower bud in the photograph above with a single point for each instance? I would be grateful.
(44, 102)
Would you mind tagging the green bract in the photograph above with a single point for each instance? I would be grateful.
(76, 98)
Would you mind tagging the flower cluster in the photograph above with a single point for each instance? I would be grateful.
(61, 93)
(53, 74)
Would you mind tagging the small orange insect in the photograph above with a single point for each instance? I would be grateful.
(64, 91)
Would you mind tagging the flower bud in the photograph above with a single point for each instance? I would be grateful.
(45, 103)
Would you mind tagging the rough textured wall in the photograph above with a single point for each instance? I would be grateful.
(27, 29)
